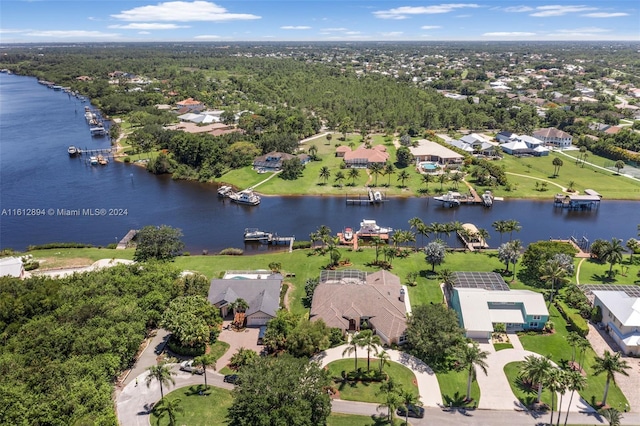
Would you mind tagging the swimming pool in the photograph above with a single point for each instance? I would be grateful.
(429, 166)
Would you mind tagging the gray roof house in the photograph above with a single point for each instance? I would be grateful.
(352, 300)
(12, 266)
(261, 294)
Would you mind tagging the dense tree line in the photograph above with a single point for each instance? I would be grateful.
(64, 341)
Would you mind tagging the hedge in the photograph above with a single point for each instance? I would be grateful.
(574, 319)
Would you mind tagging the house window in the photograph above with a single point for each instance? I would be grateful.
(402, 339)
(537, 317)
(533, 324)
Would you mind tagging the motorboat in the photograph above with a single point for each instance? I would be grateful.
(348, 234)
(450, 199)
(102, 160)
(377, 196)
(370, 227)
(224, 190)
(487, 199)
(93, 160)
(73, 151)
(245, 197)
(254, 234)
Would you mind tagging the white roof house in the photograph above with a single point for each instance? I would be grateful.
(621, 314)
(432, 151)
(480, 309)
(11, 266)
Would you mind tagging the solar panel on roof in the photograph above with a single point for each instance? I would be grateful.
(483, 280)
(630, 290)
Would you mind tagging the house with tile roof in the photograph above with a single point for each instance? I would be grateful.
(362, 158)
(554, 137)
(621, 316)
(190, 104)
(355, 300)
(260, 289)
(426, 150)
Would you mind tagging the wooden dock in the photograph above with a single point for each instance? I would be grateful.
(372, 197)
(589, 201)
(126, 239)
(470, 238)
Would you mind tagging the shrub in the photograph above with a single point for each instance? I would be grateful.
(232, 252)
(127, 159)
(577, 323)
(301, 245)
(30, 266)
(175, 347)
(58, 245)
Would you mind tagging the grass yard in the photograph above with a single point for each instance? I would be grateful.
(594, 272)
(366, 392)
(336, 419)
(76, 257)
(218, 349)
(453, 386)
(525, 395)
(209, 410)
(502, 346)
(555, 346)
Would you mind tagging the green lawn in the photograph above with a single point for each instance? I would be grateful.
(218, 349)
(592, 271)
(336, 419)
(453, 386)
(76, 257)
(525, 395)
(555, 346)
(199, 410)
(366, 392)
(502, 346)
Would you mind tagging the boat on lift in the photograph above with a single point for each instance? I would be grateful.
(370, 227)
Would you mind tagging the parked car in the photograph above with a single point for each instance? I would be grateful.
(414, 411)
(231, 378)
(190, 368)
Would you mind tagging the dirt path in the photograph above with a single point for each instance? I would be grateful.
(578, 271)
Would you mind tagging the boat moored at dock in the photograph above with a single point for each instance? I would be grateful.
(73, 151)
(254, 234)
(224, 191)
(247, 197)
(369, 227)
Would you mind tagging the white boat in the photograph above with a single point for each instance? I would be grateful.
(370, 227)
(348, 234)
(245, 197)
(451, 199)
(254, 234)
(377, 196)
(72, 150)
(224, 191)
(93, 160)
(487, 199)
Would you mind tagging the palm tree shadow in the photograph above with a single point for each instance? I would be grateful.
(197, 390)
(457, 400)
(603, 278)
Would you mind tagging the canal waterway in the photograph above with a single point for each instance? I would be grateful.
(37, 125)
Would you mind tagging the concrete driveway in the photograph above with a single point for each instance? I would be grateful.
(246, 338)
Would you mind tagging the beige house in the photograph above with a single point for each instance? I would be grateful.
(365, 157)
(621, 316)
(555, 137)
(354, 300)
(432, 151)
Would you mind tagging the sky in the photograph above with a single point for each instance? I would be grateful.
(39, 21)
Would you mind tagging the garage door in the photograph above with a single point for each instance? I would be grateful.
(257, 320)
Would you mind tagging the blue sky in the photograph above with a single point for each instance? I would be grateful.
(40, 21)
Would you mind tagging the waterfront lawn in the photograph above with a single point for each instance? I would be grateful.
(592, 271)
(366, 392)
(609, 184)
(199, 410)
(453, 386)
(555, 347)
(76, 257)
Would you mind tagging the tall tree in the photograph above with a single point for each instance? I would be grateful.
(609, 364)
(352, 348)
(447, 278)
(158, 242)
(536, 369)
(205, 361)
(553, 272)
(408, 399)
(370, 342)
(575, 383)
(168, 408)
(402, 177)
(339, 178)
(353, 175)
(390, 391)
(414, 224)
(162, 374)
(612, 253)
(557, 163)
(389, 169)
(512, 226)
(376, 170)
(619, 165)
(435, 252)
(325, 174)
(500, 227)
(470, 357)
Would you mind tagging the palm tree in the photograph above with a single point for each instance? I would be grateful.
(512, 225)
(376, 169)
(571, 185)
(584, 158)
(581, 156)
(389, 169)
(610, 364)
(613, 416)
(408, 399)
(426, 179)
(572, 339)
(390, 390)
(423, 230)
(553, 272)
(471, 356)
(501, 227)
(352, 349)
(456, 178)
(325, 174)
(535, 369)
(313, 150)
(483, 235)
(240, 305)
(575, 382)
(369, 341)
(205, 361)
(402, 177)
(383, 359)
(444, 177)
(163, 374)
(377, 242)
(633, 246)
(353, 175)
(170, 408)
(448, 279)
(415, 223)
(339, 177)
(612, 253)
(557, 163)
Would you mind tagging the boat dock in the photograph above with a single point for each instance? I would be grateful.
(372, 197)
(589, 201)
(126, 239)
(254, 235)
(470, 238)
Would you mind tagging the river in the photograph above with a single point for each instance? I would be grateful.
(37, 124)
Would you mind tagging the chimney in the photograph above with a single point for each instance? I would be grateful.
(402, 295)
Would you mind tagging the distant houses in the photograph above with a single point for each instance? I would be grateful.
(474, 144)
(554, 137)
(272, 162)
(522, 145)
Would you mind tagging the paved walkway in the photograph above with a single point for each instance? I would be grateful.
(428, 386)
(247, 338)
(630, 385)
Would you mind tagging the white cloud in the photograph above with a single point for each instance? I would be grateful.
(80, 34)
(604, 15)
(353, 32)
(7, 31)
(430, 27)
(182, 11)
(334, 29)
(150, 26)
(580, 33)
(392, 34)
(295, 27)
(508, 34)
(207, 37)
(404, 11)
(144, 32)
(518, 9)
(558, 10)
(584, 30)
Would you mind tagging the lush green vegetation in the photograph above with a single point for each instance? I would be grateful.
(523, 392)
(368, 391)
(625, 272)
(453, 387)
(208, 408)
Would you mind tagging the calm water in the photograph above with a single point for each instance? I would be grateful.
(37, 125)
